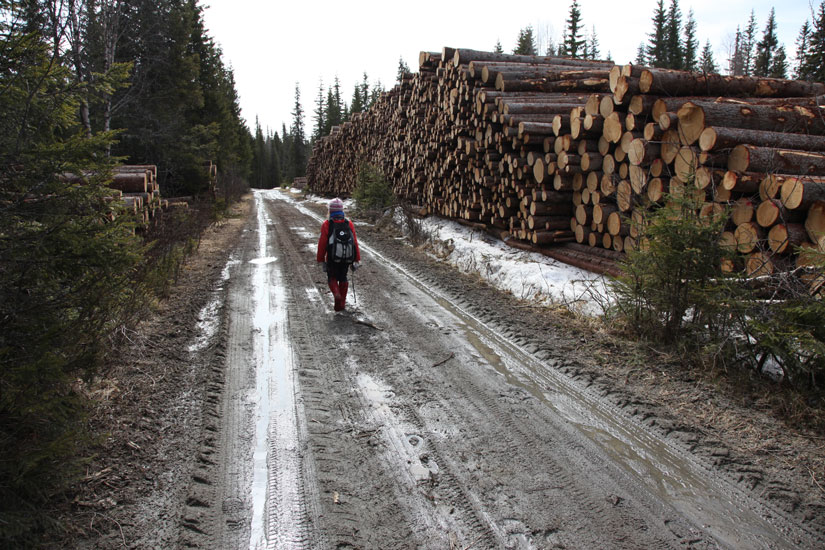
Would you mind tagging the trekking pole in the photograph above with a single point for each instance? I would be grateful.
(354, 295)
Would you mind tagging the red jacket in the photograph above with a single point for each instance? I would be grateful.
(324, 240)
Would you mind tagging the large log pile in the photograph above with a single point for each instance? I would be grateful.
(549, 150)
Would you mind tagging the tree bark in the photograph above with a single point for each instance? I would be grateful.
(783, 161)
(680, 83)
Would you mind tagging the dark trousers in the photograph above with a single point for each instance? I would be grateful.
(337, 271)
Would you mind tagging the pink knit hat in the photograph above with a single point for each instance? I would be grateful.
(336, 205)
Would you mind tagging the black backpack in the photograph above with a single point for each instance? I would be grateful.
(341, 247)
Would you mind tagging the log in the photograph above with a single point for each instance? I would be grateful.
(748, 235)
(741, 182)
(786, 237)
(130, 182)
(802, 192)
(682, 83)
(772, 211)
(784, 161)
(815, 221)
(743, 211)
(720, 137)
(642, 151)
(694, 117)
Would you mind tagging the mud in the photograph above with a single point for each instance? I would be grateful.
(436, 412)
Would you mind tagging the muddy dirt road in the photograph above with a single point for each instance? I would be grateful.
(414, 421)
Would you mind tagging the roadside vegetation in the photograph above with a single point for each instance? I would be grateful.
(77, 271)
(676, 295)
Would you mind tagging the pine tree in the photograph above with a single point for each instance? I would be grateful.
(656, 53)
(299, 156)
(779, 64)
(801, 51)
(706, 62)
(526, 43)
(765, 49)
(691, 44)
(498, 48)
(403, 69)
(320, 113)
(673, 37)
(574, 43)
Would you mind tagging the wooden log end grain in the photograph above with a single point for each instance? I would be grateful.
(784, 238)
(691, 122)
(802, 192)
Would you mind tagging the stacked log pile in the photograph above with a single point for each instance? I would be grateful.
(549, 150)
(751, 147)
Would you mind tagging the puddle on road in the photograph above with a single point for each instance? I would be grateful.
(277, 505)
(263, 261)
(208, 319)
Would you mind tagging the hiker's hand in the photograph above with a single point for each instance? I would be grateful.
(355, 266)
(324, 267)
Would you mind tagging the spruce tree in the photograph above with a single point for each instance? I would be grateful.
(673, 37)
(815, 56)
(403, 69)
(593, 51)
(497, 48)
(356, 105)
(526, 43)
(320, 113)
(299, 156)
(691, 45)
(641, 55)
(574, 42)
(736, 61)
(68, 259)
(779, 64)
(706, 62)
(365, 91)
(274, 178)
(802, 41)
(748, 45)
(656, 53)
(765, 49)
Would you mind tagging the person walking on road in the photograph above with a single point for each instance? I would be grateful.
(338, 250)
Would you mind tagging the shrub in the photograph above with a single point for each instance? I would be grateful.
(372, 192)
(673, 282)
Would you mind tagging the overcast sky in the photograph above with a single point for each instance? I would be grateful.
(273, 45)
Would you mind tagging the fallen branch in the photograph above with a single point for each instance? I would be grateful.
(445, 360)
(367, 324)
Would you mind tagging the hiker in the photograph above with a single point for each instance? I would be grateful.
(338, 250)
